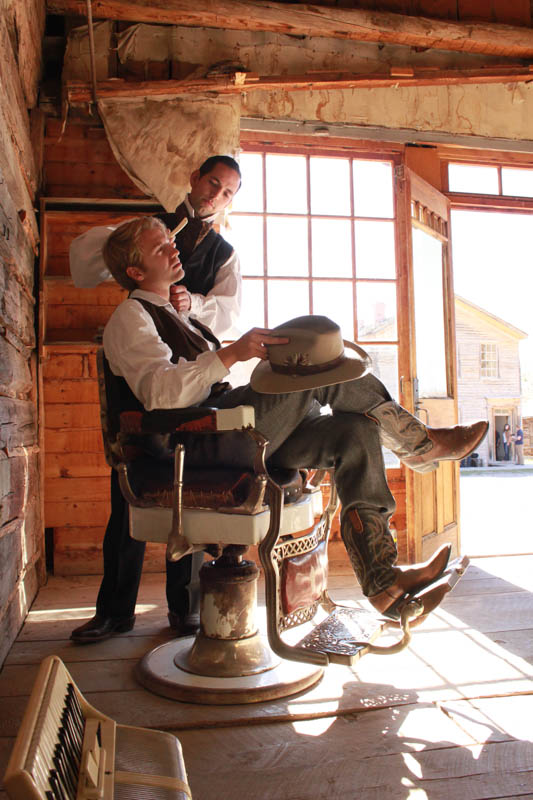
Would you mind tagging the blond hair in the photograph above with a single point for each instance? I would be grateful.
(122, 249)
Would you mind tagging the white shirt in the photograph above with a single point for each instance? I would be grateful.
(218, 310)
(135, 351)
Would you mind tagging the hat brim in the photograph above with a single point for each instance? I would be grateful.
(356, 364)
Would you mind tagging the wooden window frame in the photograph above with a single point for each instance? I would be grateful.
(496, 361)
(254, 142)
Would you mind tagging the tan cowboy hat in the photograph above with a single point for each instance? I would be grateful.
(314, 356)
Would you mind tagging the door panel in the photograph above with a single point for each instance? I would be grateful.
(432, 499)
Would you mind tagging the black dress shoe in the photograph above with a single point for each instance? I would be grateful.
(184, 625)
(100, 628)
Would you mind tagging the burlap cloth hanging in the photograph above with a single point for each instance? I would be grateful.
(158, 142)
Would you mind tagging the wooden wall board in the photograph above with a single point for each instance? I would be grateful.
(79, 163)
(75, 465)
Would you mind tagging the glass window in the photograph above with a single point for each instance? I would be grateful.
(376, 311)
(332, 248)
(489, 361)
(287, 246)
(373, 189)
(286, 184)
(517, 182)
(471, 178)
(286, 300)
(375, 253)
(317, 248)
(246, 236)
(334, 299)
(250, 195)
(429, 315)
(253, 305)
(330, 186)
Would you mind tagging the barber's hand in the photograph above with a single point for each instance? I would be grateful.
(252, 345)
(180, 298)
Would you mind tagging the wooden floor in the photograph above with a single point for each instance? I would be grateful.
(450, 717)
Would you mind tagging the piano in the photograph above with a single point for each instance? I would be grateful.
(68, 750)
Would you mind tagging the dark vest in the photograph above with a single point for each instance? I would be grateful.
(202, 250)
(183, 342)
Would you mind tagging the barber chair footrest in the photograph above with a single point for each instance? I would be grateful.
(344, 634)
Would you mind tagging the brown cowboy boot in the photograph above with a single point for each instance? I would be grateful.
(421, 448)
(412, 580)
(370, 546)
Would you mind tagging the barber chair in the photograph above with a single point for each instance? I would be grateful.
(223, 512)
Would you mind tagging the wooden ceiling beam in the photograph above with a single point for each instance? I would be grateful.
(314, 20)
(80, 92)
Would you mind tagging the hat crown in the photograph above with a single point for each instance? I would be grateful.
(315, 355)
(313, 340)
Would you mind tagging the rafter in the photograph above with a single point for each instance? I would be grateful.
(314, 20)
(79, 92)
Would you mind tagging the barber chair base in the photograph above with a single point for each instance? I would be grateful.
(160, 672)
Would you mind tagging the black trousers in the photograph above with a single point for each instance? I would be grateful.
(123, 562)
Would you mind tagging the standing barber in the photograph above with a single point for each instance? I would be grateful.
(211, 292)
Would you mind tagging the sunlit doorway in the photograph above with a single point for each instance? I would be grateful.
(494, 286)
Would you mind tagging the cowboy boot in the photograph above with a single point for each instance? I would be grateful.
(421, 448)
(410, 582)
(388, 587)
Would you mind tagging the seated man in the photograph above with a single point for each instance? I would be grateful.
(163, 360)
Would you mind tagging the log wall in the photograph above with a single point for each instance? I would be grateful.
(21, 528)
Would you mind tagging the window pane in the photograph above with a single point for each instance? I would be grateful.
(287, 247)
(253, 306)
(330, 186)
(429, 315)
(375, 255)
(385, 366)
(518, 182)
(372, 189)
(286, 300)
(250, 195)
(376, 311)
(335, 300)
(246, 236)
(332, 248)
(469, 178)
(286, 184)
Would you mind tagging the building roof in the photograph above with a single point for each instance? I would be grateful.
(511, 330)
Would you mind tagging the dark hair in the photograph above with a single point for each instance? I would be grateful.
(211, 163)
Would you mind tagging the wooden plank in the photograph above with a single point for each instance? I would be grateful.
(72, 489)
(30, 17)
(110, 181)
(75, 514)
(82, 415)
(15, 375)
(313, 20)
(73, 441)
(80, 92)
(60, 292)
(68, 391)
(75, 465)
(71, 365)
(13, 105)
(73, 316)
(18, 424)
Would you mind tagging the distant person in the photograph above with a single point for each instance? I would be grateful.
(519, 445)
(498, 440)
(507, 441)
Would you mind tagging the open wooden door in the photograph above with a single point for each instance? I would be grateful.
(429, 382)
